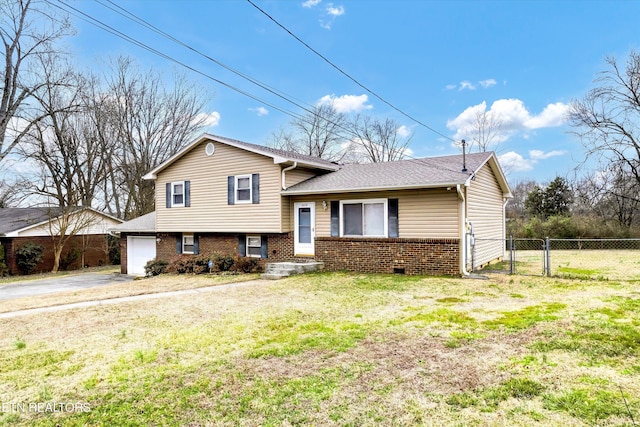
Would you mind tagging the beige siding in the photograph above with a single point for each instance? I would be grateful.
(421, 213)
(292, 177)
(485, 211)
(209, 211)
(79, 224)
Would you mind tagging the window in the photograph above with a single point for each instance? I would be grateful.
(177, 194)
(254, 245)
(188, 244)
(243, 189)
(367, 218)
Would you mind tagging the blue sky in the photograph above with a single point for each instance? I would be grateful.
(438, 61)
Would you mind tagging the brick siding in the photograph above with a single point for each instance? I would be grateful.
(366, 255)
(95, 251)
(382, 255)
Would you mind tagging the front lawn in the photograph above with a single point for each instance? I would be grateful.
(334, 349)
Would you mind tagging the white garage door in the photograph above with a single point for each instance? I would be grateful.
(140, 249)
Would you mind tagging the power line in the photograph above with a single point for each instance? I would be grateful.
(353, 79)
(105, 27)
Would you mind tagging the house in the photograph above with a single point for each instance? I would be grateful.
(87, 244)
(408, 216)
(137, 243)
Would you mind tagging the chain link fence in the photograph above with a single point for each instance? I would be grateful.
(603, 259)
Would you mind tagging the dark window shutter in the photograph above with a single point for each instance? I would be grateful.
(187, 194)
(179, 244)
(168, 197)
(335, 218)
(242, 245)
(392, 207)
(196, 244)
(231, 190)
(264, 250)
(255, 188)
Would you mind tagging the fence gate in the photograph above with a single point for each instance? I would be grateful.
(520, 256)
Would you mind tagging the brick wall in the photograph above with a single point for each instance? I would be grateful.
(371, 255)
(366, 255)
(94, 247)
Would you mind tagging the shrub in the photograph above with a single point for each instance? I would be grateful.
(70, 258)
(247, 265)
(189, 264)
(222, 262)
(28, 256)
(3, 265)
(155, 267)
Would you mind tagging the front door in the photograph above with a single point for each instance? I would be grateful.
(305, 219)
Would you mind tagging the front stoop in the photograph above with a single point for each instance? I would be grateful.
(280, 270)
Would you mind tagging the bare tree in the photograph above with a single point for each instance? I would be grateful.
(607, 119)
(486, 129)
(319, 133)
(28, 30)
(516, 206)
(377, 141)
(148, 120)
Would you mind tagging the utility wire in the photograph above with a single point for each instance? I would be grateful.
(100, 24)
(341, 71)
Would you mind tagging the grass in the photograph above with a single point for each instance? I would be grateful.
(335, 349)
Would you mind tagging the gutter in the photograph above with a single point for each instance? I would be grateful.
(292, 167)
(463, 224)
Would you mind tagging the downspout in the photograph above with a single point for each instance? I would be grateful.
(504, 221)
(463, 230)
(293, 166)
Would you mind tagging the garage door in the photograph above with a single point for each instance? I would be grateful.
(140, 249)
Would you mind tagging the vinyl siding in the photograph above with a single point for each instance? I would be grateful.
(427, 213)
(209, 210)
(292, 177)
(87, 223)
(485, 211)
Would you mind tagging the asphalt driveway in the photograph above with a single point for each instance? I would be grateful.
(58, 284)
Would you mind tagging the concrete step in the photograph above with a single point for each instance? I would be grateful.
(279, 270)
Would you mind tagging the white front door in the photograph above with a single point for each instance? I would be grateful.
(304, 228)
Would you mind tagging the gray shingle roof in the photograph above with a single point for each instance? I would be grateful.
(416, 173)
(142, 224)
(13, 219)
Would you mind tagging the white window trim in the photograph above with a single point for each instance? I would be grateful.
(259, 246)
(184, 196)
(184, 236)
(364, 202)
(237, 189)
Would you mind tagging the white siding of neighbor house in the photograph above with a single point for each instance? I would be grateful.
(209, 210)
(485, 211)
(84, 223)
(423, 213)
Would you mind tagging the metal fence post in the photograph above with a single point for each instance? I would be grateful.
(547, 257)
(511, 261)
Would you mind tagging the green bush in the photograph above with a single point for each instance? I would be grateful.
(221, 262)
(28, 256)
(155, 267)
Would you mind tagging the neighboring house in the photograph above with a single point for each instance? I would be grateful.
(87, 247)
(137, 243)
(408, 216)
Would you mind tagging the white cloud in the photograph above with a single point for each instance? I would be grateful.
(403, 131)
(311, 3)
(346, 103)
(553, 115)
(261, 111)
(334, 10)
(512, 116)
(541, 155)
(209, 119)
(450, 87)
(466, 84)
(514, 162)
(487, 83)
